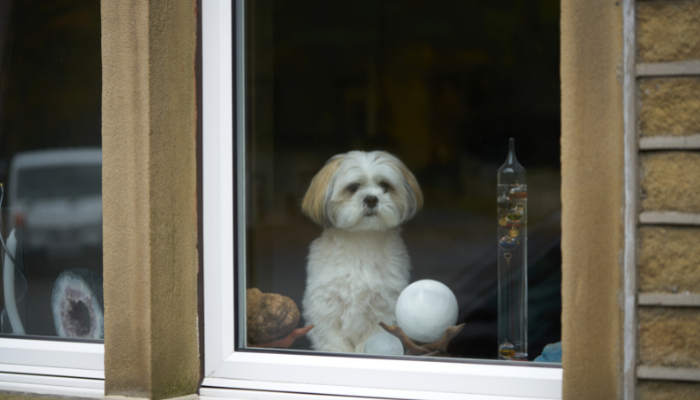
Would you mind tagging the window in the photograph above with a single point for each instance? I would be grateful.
(242, 179)
(51, 211)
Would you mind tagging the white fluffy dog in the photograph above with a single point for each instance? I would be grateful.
(359, 266)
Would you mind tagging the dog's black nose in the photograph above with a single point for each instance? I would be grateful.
(371, 201)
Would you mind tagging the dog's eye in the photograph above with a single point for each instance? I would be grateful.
(385, 186)
(353, 188)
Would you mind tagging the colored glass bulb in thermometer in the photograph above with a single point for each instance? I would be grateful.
(511, 226)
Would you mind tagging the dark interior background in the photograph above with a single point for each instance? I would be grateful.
(443, 84)
(50, 99)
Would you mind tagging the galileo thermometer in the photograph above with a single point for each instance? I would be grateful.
(512, 258)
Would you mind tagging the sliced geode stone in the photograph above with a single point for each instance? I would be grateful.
(78, 304)
(270, 316)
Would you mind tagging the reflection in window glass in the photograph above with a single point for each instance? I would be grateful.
(440, 85)
(51, 167)
(46, 183)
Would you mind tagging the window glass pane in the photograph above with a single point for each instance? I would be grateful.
(442, 86)
(51, 169)
(57, 182)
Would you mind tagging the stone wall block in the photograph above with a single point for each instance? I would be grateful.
(669, 106)
(668, 31)
(669, 337)
(669, 259)
(670, 181)
(660, 390)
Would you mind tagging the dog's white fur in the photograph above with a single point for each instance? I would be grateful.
(359, 265)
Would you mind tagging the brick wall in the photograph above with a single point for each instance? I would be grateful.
(668, 77)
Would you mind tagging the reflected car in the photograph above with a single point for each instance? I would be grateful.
(55, 199)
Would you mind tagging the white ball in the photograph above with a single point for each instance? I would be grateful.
(425, 309)
(383, 343)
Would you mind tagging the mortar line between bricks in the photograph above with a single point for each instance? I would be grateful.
(668, 218)
(669, 300)
(668, 373)
(690, 142)
(682, 68)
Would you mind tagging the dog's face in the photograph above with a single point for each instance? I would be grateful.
(360, 191)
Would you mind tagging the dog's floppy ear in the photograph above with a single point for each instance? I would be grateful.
(414, 192)
(314, 203)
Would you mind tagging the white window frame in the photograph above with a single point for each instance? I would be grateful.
(52, 367)
(46, 366)
(273, 375)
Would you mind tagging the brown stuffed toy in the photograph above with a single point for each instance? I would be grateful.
(272, 319)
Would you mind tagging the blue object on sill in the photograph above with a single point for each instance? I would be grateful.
(551, 353)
